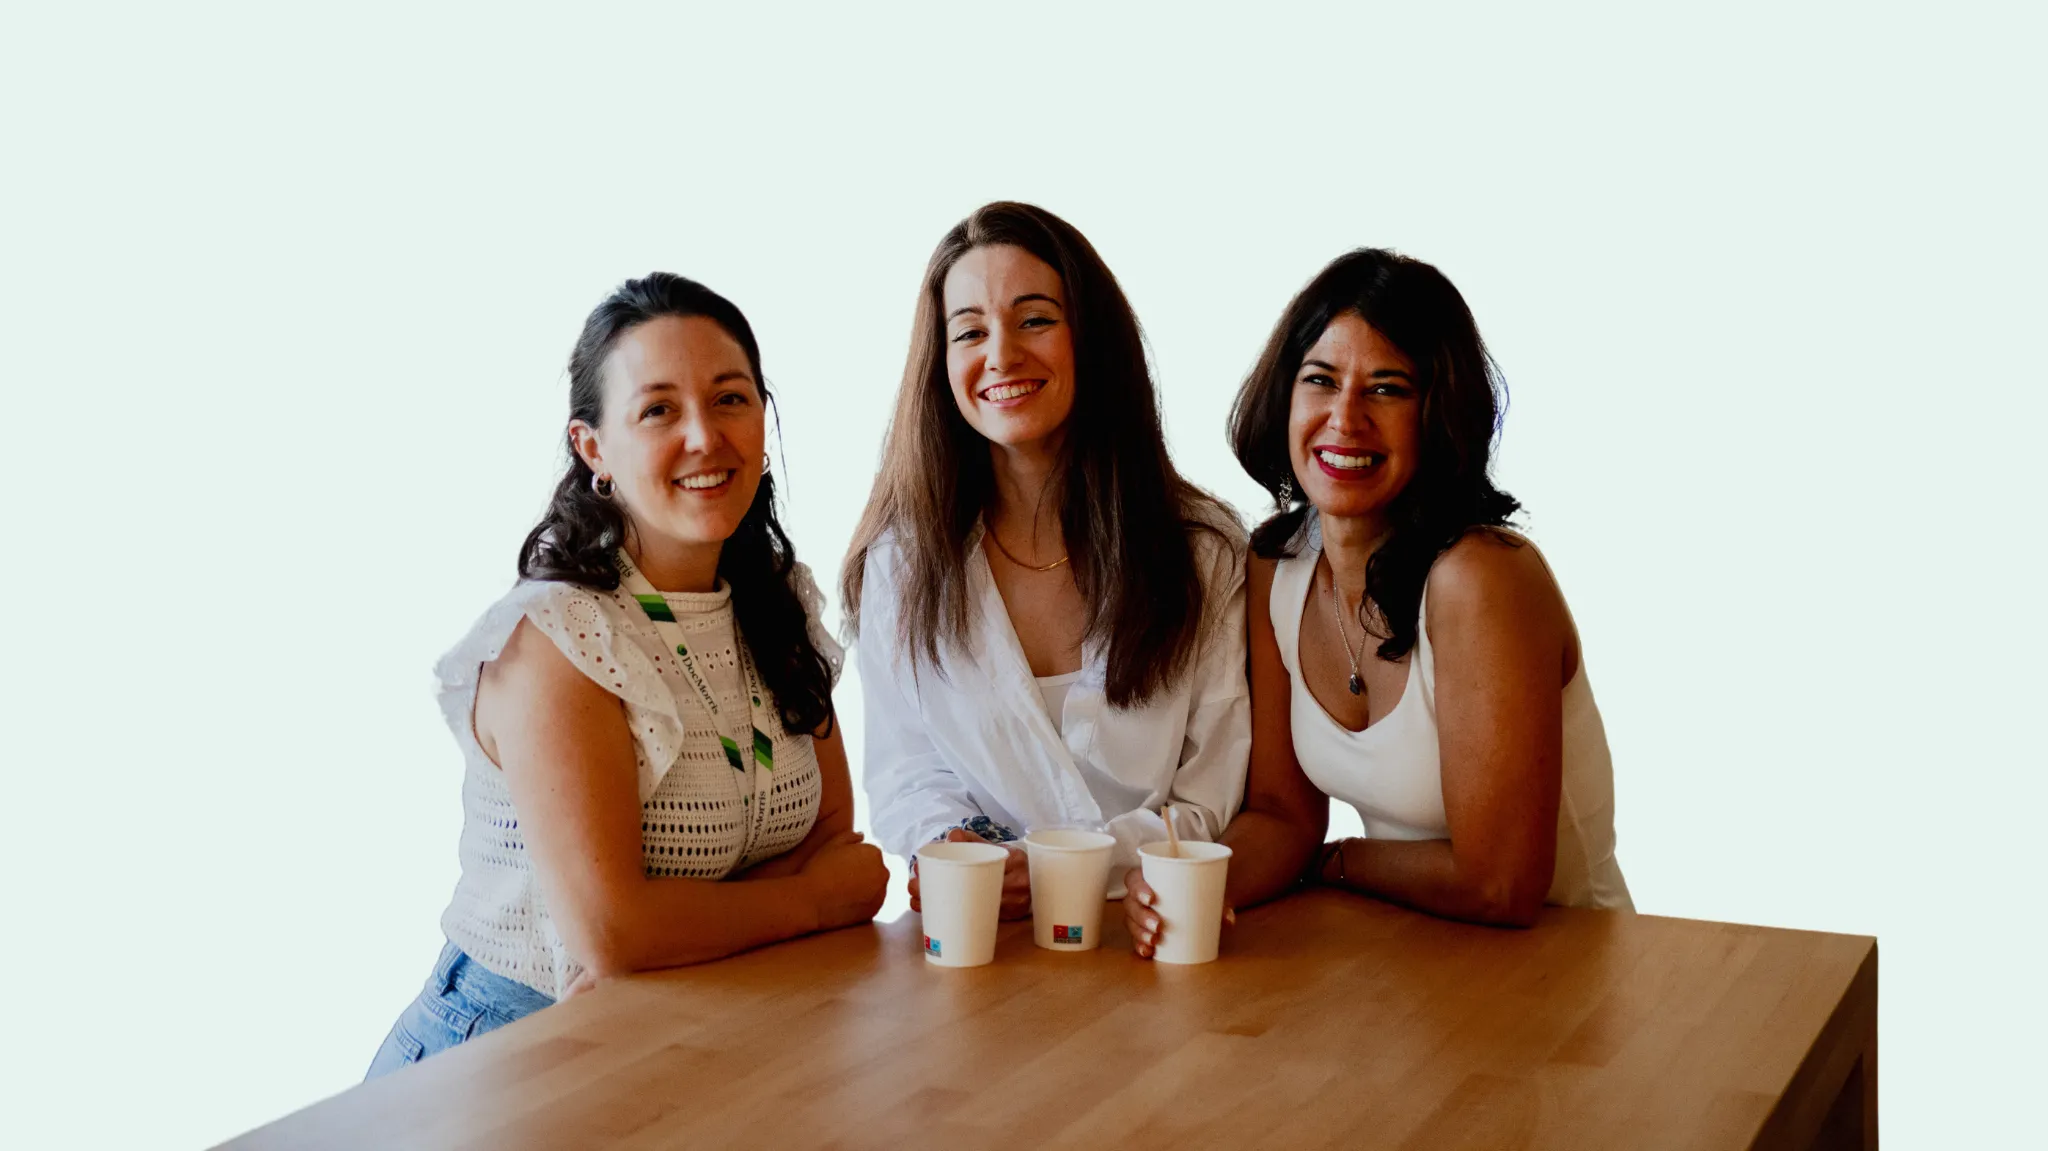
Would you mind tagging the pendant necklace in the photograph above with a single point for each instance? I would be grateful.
(1357, 684)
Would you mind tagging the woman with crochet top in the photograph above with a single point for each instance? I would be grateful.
(1409, 655)
(653, 776)
(1051, 619)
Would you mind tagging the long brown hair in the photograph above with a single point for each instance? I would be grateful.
(1125, 511)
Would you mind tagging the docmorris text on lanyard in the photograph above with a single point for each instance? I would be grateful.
(747, 749)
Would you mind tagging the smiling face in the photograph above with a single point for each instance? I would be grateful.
(1009, 349)
(681, 434)
(1354, 421)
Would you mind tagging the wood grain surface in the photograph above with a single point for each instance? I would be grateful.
(1329, 1020)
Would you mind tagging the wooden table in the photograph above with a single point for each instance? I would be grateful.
(1329, 1020)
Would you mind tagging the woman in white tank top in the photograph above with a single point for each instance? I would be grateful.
(1409, 656)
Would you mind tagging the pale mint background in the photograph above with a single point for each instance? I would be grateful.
(285, 299)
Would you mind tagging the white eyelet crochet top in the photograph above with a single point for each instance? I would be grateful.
(693, 819)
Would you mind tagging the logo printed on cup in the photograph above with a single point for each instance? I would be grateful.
(1069, 875)
(931, 946)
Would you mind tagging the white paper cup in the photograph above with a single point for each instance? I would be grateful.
(960, 888)
(1188, 898)
(1069, 884)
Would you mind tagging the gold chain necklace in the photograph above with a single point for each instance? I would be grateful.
(1357, 684)
(998, 541)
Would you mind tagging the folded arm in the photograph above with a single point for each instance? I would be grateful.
(1273, 840)
(1208, 783)
(913, 795)
(567, 754)
(1500, 634)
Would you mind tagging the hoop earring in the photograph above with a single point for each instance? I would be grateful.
(1286, 493)
(602, 485)
(767, 463)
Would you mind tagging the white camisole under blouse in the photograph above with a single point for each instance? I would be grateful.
(1392, 772)
(1053, 689)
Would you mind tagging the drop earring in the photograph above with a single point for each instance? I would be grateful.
(1286, 499)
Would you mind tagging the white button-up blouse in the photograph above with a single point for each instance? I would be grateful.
(972, 737)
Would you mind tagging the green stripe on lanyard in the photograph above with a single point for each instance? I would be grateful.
(751, 776)
(657, 609)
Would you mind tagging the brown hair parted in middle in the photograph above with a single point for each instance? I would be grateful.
(1125, 511)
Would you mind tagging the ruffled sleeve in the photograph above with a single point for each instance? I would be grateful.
(583, 625)
(814, 620)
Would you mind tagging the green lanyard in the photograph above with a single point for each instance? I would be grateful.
(657, 611)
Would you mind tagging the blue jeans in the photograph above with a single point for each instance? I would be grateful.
(460, 1001)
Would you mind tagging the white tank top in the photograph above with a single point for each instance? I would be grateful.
(1053, 689)
(1391, 772)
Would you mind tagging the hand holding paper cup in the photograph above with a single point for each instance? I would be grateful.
(960, 888)
(1016, 901)
(1069, 884)
(1187, 890)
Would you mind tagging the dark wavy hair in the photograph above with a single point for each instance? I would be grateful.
(1463, 399)
(1126, 512)
(581, 532)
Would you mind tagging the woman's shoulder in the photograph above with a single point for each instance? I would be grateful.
(495, 625)
(559, 639)
(1215, 534)
(1204, 514)
(571, 614)
(583, 623)
(1490, 569)
(884, 556)
(881, 573)
(811, 598)
(1258, 579)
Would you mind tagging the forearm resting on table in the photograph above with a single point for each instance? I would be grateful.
(1427, 875)
(903, 822)
(656, 923)
(567, 755)
(1267, 857)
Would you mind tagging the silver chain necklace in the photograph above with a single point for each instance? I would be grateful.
(1357, 684)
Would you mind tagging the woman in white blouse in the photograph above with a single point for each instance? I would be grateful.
(648, 711)
(1050, 618)
(1409, 655)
